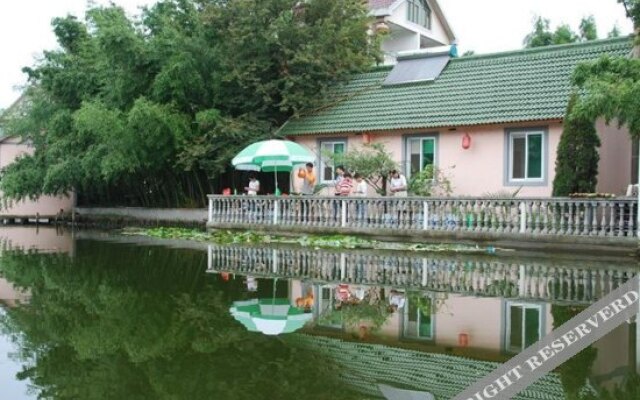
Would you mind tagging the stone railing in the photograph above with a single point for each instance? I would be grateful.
(548, 216)
(578, 282)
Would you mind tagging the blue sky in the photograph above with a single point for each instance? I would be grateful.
(483, 26)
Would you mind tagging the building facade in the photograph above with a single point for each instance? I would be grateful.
(490, 123)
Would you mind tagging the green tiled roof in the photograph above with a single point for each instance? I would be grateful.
(364, 365)
(524, 85)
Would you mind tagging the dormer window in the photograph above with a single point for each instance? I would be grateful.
(419, 13)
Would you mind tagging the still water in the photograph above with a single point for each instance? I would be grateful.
(92, 316)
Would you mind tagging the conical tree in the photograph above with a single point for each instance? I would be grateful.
(577, 156)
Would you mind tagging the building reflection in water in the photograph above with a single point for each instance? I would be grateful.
(484, 308)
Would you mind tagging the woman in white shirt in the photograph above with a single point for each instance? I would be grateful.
(254, 185)
(398, 184)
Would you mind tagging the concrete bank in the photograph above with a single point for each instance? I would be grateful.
(138, 216)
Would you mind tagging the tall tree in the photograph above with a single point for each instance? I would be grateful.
(542, 35)
(148, 111)
(577, 155)
(610, 87)
(588, 29)
(615, 32)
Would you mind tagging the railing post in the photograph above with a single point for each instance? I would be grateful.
(275, 211)
(210, 209)
(425, 215)
(343, 213)
(523, 217)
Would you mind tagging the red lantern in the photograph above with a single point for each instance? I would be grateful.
(366, 138)
(463, 340)
(466, 141)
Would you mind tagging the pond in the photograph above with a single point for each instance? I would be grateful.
(90, 315)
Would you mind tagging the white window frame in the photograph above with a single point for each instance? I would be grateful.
(524, 306)
(406, 323)
(323, 306)
(325, 163)
(407, 151)
(415, 8)
(525, 134)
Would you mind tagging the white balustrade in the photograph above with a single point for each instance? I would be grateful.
(536, 217)
(560, 282)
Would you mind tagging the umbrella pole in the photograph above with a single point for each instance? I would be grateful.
(276, 177)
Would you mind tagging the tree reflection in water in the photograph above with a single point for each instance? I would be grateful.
(127, 322)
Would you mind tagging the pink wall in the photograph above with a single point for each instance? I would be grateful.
(10, 295)
(480, 318)
(10, 149)
(44, 239)
(613, 354)
(615, 159)
(480, 170)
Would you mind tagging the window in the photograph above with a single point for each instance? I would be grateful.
(524, 323)
(328, 316)
(418, 321)
(526, 151)
(418, 12)
(327, 169)
(421, 151)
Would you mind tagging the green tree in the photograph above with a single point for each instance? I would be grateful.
(147, 324)
(373, 161)
(574, 372)
(615, 32)
(588, 30)
(149, 111)
(542, 35)
(577, 155)
(610, 86)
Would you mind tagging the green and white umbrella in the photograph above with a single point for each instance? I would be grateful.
(272, 156)
(269, 316)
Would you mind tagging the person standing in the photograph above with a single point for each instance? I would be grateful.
(254, 185)
(308, 187)
(339, 178)
(398, 184)
(308, 179)
(360, 191)
(336, 186)
(345, 186)
(398, 188)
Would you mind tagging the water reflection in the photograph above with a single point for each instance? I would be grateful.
(111, 320)
(127, 322)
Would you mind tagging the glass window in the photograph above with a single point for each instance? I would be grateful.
(327, 169)
(419, 12)
(526, 156)
(418, 320)
(328, 315)
(524, 326)
(420, 153)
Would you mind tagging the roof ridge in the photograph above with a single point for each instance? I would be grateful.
(547, 49)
